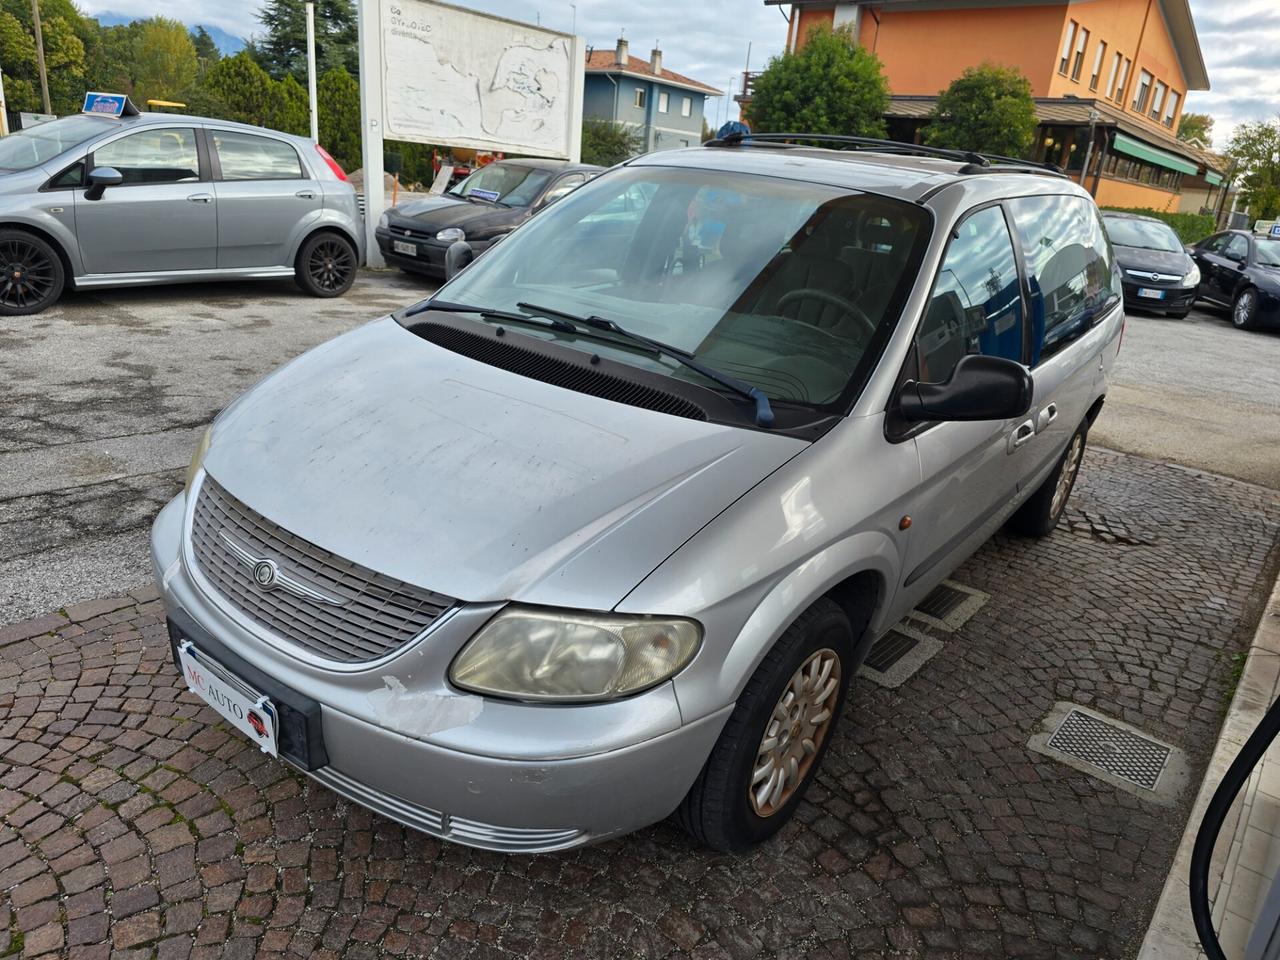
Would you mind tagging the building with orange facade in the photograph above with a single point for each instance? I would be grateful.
(1110, 79)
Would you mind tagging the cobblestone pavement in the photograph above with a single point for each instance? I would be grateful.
(135, 825)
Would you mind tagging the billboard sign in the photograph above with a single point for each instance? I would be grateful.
(108, 104)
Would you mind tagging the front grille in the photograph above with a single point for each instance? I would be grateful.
(364, 615)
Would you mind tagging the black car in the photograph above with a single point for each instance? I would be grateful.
(1241, 270)
(1155, 269)
(487, 205)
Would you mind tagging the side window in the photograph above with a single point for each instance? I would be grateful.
(153, 156)
(1237, 248)
(976, 305)
(565, 185)
(1216, 244)
(244, 156)
(73, 176)
(1070, 267)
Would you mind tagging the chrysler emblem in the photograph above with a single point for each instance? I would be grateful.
(264, 573)
(267, 574)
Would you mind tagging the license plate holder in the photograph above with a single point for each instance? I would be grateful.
(1151, 294)
(250, 712)
(408, 249)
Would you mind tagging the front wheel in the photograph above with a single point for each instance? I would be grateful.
(1041, 513)
(31, 275)
(1244, 311)
(774, 741)
(326, 265)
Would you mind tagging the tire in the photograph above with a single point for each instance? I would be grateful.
(721, 809)
(326, 265)
(1244, 311)
(31, 274)
(1040, 514)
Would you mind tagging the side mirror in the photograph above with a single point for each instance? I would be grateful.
(457, 257)
(980, 388)
(99, 179)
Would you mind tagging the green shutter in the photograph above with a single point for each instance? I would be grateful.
(1214, 179)
(1136, 148)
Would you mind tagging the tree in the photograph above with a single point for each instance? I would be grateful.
(1256, 149)
(338, 104)
(987, 109)
(830, 85)
(65, 63)
(18, 55)
(207, 52)
(244, 88)
(606, 143)
(109, 60)
(164, 60)
(1196, 128)
(284, 49)
(290, 109)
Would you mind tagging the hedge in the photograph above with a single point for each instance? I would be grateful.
(1189, 227)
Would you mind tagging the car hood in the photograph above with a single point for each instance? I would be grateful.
(436, 213)
(474, 482)
(1153, 261)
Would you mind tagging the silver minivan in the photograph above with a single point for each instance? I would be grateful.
(101, 201)
(603, 531)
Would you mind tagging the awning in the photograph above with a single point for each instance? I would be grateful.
(1214, 179)
(1136, 148)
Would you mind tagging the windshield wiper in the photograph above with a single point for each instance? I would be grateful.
(764, 412)
(553, 323)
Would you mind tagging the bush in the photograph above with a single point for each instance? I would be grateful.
(606, 143)
(987, 108)
(1189, 227)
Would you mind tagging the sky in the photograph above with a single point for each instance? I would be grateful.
(708, 41)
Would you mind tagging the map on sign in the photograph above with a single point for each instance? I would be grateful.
(463, 79)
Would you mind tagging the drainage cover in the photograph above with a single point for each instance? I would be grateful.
(889, 649)
(942, 602)
(1111, 748)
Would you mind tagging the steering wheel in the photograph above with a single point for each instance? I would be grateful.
(847, 307)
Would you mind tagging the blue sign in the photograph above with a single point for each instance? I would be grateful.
(1275, 229)
(107, 104)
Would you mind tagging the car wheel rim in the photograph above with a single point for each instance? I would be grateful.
(330, 264)
(1243, 305)
(1068, 475)
(794, 732)
(27, 274)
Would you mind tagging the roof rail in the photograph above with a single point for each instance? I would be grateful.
(974, 162)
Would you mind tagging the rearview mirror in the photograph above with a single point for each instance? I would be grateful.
(100, 178)
(457, 257)
(980, 388)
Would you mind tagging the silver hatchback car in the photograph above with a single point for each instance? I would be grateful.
(603, 531)
(98, 201)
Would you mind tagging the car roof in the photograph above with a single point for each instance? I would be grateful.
(1125, 215)
(164, 119)
(546, 163)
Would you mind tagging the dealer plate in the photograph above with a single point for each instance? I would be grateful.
(408, 249)
(1151, 294)
(250, 712)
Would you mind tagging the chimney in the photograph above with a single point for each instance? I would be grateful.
(622, 52)
(655, 60)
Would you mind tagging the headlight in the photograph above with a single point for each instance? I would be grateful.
(1192, 278)
(451, 234)
(536, 654)
(197, 458)
(384, 221)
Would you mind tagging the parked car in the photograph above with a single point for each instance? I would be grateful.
(1157, 271)
(604, 530)
(484, 207)
(98, 201)
(1241, 270)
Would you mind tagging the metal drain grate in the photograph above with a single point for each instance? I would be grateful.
(889, 649)
(943, 601)
(1110, 748)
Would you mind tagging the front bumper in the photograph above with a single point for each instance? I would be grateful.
(1172, 299)
(429, 256)
(511, 777)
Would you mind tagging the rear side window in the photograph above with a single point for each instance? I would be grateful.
(976, 305)
(243, 156)
(1070, 268)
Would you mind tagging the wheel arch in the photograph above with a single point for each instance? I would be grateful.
(68, 271)
(327, 227)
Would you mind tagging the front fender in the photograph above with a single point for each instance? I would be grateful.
(57, 227)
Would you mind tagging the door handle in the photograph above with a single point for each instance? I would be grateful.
(201, 198)
(1046, 416)
(1021, 434)
(306, 194)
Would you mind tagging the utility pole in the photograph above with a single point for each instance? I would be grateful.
(311, 70)
(1094, 117)
(44, 77)
(4, 109)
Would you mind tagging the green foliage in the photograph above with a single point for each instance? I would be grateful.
(243, 87)
(987, 108)
(606, 143)
(1256, 149)
(109, 58)
(18, 56)
(1189, 227)
(1197, 128)
(284, 48)
(290, 110)
(164, 60)
(207, 52)
(338, 105)
(830, 85)
(64, 63)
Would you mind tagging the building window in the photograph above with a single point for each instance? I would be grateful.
(1171, 109)
(1081, 43)
(1143, 91)
(1124, 79)
(1098, 60)
(1157, 101)
(1115, 73)
(641, 99)
(686, 107)
(664, 101)
(1067, 41)
(1121, 167)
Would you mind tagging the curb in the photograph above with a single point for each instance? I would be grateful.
(1171, 935)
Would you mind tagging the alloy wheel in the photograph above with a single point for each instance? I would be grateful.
(1067, 475)
(330, 264)
(800, 721)
(26, 274)
(1243, 309)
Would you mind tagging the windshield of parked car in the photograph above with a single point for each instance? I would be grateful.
(790, 286)
(513, 184)
(1147, 234)
(1269, 252)
(35, 145)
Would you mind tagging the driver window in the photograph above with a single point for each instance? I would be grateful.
(1237, 248)
(976, 305)
(152, 156)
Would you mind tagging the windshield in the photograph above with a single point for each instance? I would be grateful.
(789, 286)
(1147, 234)
(512, 184)
(32, 147)
(1269, 252)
